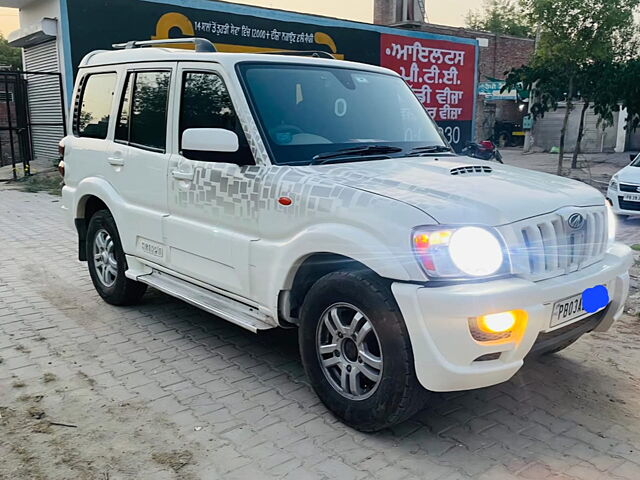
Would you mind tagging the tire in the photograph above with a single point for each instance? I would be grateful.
(108, 279)
(372, 404)
(504, 139)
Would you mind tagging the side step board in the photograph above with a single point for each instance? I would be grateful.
(231, 310)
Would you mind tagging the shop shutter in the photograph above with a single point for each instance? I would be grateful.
(45, 105)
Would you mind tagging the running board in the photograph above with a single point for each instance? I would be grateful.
(231, 310)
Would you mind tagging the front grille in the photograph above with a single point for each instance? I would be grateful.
(626, 205)
(545, 247)
(625, 187)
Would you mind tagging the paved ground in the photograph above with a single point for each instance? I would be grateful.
(164, 391)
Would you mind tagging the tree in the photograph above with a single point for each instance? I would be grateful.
(576, 34)
(9, 55)
(504, 17)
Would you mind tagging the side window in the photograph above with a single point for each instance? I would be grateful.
(94, 109)
(206, 103)
(122, 125)
(142, 119)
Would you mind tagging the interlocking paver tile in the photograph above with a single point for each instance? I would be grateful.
(244, 405)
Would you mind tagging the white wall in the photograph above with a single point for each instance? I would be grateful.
(37, 10)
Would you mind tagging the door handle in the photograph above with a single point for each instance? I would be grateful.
(178, 175)
(116, 161)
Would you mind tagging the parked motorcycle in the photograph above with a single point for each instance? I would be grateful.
(485, 150)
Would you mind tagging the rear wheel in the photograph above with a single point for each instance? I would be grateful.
(356, 351)
(107, 262)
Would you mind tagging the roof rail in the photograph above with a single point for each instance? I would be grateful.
(201, 44)
(301, 53)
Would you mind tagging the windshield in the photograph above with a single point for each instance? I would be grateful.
(636, 162)
(312, 111)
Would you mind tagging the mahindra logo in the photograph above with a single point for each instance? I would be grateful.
(576, 221)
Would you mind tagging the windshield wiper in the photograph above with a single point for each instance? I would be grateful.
(354, 152)
(428, 149)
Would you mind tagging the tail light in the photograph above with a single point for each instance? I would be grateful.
(61, 153)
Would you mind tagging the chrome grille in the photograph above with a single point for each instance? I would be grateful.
(546, 246)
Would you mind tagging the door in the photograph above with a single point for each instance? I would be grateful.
(139, 158)
(213, 197)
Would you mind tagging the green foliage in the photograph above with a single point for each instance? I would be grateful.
(50, 182)
(504, 17)
(583, 49)
(575, 32)
(9, 55)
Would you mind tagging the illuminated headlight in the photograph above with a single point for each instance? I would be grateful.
(613, 184)
(460, 252)
(611, 224)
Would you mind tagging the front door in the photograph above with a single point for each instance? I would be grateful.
(213, 206)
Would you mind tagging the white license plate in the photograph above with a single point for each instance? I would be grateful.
(566, 310)
(631, 198)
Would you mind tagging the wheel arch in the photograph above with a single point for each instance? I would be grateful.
(93, 195)
(307, 271)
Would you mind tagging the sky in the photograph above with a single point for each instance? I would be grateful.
(445, 12)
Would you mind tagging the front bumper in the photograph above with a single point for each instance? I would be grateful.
(437, 318)
(626, 208)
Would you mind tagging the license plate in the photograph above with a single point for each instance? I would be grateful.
(571, 308)
(631, 198)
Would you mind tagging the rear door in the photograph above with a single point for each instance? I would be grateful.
(140, 158)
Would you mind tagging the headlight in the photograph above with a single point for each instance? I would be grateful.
(611, 224)
(613, 184)
(459, 252)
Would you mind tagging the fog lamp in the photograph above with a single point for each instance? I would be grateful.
(497, 322)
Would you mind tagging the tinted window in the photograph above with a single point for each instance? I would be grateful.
(92, 118)
(142, 120)
(206, 104)
(122, 126)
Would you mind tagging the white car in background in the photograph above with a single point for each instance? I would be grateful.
(624, 189)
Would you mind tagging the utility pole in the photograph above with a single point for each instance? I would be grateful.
(528, 134)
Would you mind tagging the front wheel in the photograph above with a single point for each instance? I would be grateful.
(357, 353)
(107, 262)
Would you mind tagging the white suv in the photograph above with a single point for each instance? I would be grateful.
(292, 191)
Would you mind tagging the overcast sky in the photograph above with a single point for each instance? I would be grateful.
(445, 12)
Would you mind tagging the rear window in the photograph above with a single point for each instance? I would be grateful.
(94, 109)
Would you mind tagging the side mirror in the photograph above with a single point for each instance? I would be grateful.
(210, 140)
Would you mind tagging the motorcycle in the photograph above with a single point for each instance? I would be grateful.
(485, 150)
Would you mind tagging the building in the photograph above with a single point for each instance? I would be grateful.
(441, 67)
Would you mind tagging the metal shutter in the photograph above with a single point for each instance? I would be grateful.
(45, 105)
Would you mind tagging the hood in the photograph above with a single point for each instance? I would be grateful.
(630, 175)
(491, 194)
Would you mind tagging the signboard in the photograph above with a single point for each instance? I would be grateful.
(441, 74)
(440, 70)
(491, 91)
